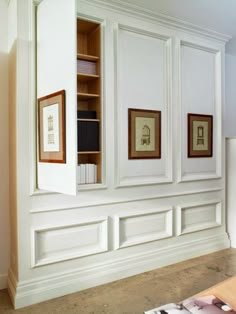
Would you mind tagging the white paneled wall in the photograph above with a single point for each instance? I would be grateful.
(230, 193)
(60, 243)
(199, 89)
(230, 96)
(149, 213)
(230, 133)
(199, 216)
(143, 226)
(143, 82)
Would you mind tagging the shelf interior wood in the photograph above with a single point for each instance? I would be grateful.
(89, 152)
(85, 57)
(84, 77)
(85, 96)
(89, 85)
(89, 120)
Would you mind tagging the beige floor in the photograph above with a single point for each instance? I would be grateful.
(142, 292)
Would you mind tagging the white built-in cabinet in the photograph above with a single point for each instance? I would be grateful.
(56, 70)
(64, 55)
(141, 214)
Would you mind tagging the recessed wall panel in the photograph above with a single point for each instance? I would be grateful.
(199, 217)
(143, 65)
(142, 227)
(200, 94)
(65, 242)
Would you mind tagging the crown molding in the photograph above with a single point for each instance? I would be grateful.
(37, 2)
(171, 22)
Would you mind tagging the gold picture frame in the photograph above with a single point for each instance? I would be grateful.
(144, 134)
(51, 128)
(200, 135)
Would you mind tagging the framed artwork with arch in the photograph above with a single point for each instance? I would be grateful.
(144, 134)
(200, 135)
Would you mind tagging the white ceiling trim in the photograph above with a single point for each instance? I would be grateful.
(169, 21)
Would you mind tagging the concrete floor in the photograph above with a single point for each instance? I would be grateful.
(142, 292)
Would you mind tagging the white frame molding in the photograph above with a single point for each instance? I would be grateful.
(166, 119)
(217, 141)
(35, 262)
(147, 15)
(179, 221)
(127, 200)
(143, 239)
(35, 290)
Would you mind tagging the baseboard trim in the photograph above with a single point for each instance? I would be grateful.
(12, 285)
(29, 292)
(232, 240)
(3, 281)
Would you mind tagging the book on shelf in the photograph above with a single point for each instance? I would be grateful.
(200, 305)
(86, 67)
(86, 114)
(87, 173)
(88, 136)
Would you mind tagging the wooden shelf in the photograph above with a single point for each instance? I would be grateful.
(89, 90)
(89, 152)
(82, 56)
(85, 96)
(86, 26)
(82, 77)
(89, 120)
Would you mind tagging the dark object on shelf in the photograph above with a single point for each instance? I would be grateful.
(86, 67)
(88, 136)
(86, 114)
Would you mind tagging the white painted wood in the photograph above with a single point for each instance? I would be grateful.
(143, 226)
(230, 193)
(62, 203)
(56, 69)
(143, 69)
(60, 243)
(46, 210)
(230, 96)
(154, 16)
(199, 216)
(200, 91)
(72, 280)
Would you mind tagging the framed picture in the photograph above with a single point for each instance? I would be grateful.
(144, 134)
(200, 135)
(51, 123)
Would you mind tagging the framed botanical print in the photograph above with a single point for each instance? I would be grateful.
(200, 135)
(51, 123)
(144, 134)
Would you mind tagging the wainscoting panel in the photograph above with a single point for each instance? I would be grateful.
(137, 77)
(131, 223)
(61, 243)
(142, 227)
(200, 88)
(199, 217)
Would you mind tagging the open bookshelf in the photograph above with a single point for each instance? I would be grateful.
(89, 98)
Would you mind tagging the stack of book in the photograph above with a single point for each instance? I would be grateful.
(87, 173)
(200, 305)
